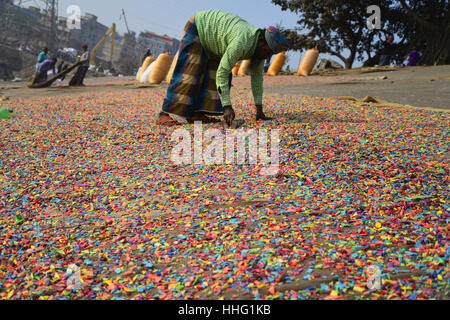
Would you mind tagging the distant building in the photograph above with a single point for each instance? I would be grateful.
(90, 32)
(3, 3)
(21, 26)
(156, 43)
(35, 10)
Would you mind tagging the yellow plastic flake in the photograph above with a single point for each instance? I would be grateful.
(358, 289)
(10, 294)
(56, 278)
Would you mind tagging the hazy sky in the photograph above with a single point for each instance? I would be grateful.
(170, 16)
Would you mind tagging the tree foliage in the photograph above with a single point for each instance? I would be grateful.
(334, 26)
(427, 23)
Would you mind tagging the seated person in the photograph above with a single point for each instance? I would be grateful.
(43, 68)
(413, 58)
(387, 52)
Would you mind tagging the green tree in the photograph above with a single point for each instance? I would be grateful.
(334, 26)
(331, 25)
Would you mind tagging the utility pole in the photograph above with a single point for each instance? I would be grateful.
(51, 41)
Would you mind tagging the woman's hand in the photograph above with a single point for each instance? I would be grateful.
(228, 115)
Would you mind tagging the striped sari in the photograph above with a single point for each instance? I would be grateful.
(192, 88)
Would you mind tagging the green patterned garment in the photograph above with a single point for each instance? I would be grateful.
(233, 39)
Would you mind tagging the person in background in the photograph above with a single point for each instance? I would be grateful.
(387, 52)
(213, 42)
(100, 68)
(413, 58)
(148, 53)
(84, 65)
(43, 68)
(267, 65)
(61, 68)
(41, 57)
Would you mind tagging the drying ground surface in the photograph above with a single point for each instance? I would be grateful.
(359, 208)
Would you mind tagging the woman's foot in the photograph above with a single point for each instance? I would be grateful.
(262, 117)
(165, 120)
(260, 114)
(203, 118)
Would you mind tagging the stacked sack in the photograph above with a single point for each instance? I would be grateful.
(277, 64)
(308, 62)
(244, 68)
(147, 62)
(154, 71)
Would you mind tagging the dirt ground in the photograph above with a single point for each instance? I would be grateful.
(415, 86)
(427, 87)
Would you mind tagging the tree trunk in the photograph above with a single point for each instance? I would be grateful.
(436, 50)
(349, 61)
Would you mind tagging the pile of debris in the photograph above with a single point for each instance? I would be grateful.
(328, 64)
